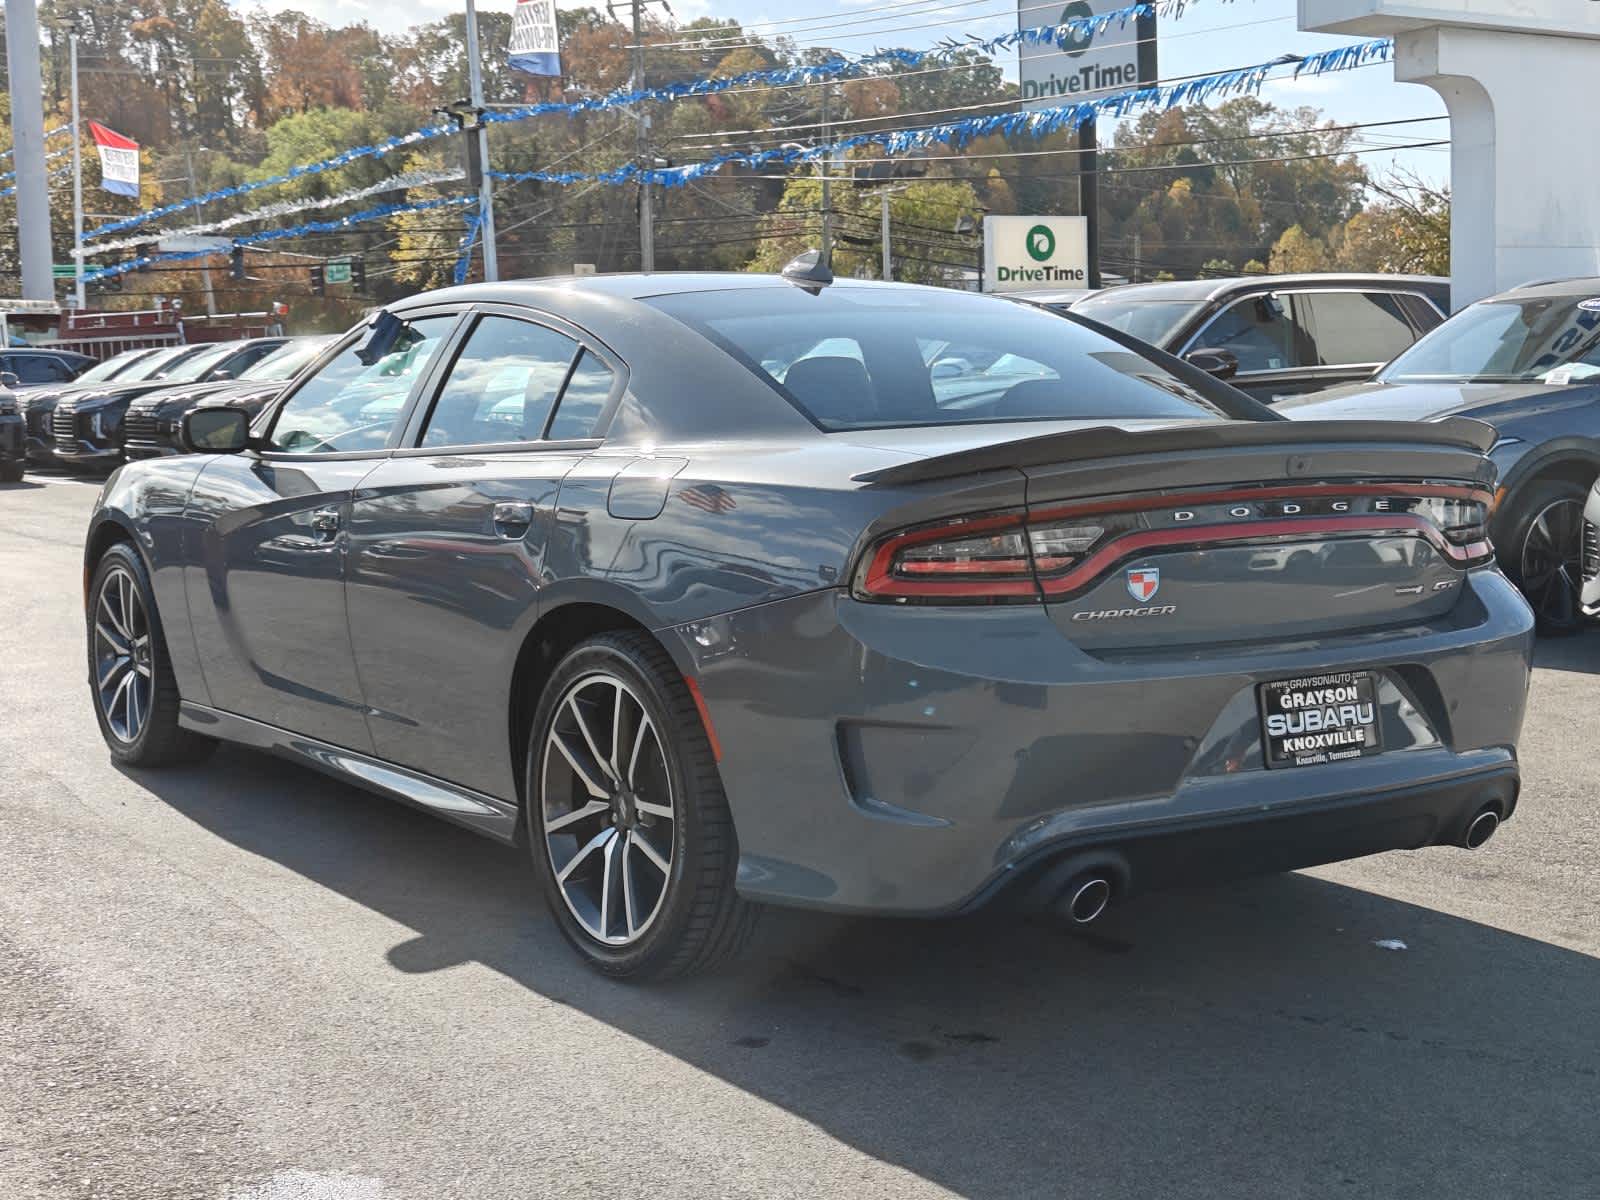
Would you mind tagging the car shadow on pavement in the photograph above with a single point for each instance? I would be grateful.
(1250, 1040)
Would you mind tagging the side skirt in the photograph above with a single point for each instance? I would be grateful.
(478, 812)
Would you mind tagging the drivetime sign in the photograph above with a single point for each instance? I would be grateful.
(1095, 61)
(1035, 252)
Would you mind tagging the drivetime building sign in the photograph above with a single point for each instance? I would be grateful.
(1035, 252)
(1122, 55)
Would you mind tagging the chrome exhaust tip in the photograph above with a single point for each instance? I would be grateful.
(1481, 828)
(1086, 899)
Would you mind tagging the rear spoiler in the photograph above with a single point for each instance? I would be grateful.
(1107, 441)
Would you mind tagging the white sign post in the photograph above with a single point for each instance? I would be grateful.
(1035, 252)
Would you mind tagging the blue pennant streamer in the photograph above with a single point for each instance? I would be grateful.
(1032, 123)
(1073, 29)
(275, 235)
(464, 259)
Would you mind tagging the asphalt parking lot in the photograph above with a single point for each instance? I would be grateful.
(246, 982)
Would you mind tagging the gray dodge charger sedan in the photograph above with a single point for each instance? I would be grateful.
(714, 591)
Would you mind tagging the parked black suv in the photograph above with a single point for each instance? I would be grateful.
(150, 428)
(1277, 335)
(87, 426)
(13, 441)
(38, 404)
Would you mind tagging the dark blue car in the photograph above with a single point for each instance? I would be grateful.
(1527, 362)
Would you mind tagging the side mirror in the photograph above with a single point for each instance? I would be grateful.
(214, 431)
(8, 379)
(1219, 364)
(221, 373)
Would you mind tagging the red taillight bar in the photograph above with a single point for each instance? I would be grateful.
(1017, 579)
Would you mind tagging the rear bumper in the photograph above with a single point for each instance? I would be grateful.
(919, 761)
(1263, 843)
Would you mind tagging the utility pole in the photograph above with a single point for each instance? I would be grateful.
(77, 176)
(1089, 195)
(200, 211)
(647, 228)
(827, 187)
(888, 264)
(27, 136)
(491, 255)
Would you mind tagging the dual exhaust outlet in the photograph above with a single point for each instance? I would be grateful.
(1089, 890)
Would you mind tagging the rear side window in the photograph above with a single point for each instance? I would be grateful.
(1259, 332)
(868, 357)
(1353, 327)
(584, 399)
(502, 385)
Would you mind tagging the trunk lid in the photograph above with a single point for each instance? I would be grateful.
(1217, 532)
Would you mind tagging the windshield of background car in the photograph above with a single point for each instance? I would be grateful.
(286, 361)
(863, 358)
(111, 367)
(1152, 321)
(151, 367)
(1555, 340)
(189, 369)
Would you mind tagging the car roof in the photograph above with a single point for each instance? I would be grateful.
(1211, 289)
(1577, 285)
(631, 286)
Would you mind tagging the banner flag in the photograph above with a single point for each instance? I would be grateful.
(119, 161)
(535, 46)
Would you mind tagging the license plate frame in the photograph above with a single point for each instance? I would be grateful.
(1348, 723)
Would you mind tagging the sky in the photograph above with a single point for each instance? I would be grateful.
(1210, 35)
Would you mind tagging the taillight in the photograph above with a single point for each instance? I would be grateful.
(977, 559)
(1011, 557)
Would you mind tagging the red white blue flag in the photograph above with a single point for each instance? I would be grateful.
(119, 161)
(535, 46)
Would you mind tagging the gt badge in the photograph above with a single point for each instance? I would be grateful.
(1143, 582)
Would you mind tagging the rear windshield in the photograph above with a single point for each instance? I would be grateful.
(863, 358)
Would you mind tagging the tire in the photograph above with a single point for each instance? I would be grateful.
(599, 871)
(141, 731)
(12, 472)
(1543, 552)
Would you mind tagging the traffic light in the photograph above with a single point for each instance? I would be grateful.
(236, 262)
(319, 282)
(358, 274)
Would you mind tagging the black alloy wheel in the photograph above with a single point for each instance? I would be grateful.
(1546, 554)
(135, 693)
(625, 815)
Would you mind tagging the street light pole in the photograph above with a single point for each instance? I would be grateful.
(491, 256)
(77, 177)
(27, 138)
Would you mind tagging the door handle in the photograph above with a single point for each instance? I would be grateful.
(512, 518)
(326, 521)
